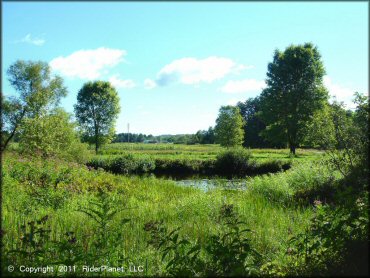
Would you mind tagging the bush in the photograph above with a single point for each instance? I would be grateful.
(336, 236)
(233, 162)
(77, 152)
(272, 166)
(126, 164)
(183, 166)
(47, 135)
(227, 253)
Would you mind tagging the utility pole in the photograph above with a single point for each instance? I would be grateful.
(128, 132)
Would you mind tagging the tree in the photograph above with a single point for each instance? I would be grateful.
(51, 134)
(96, 110)
(254, 126)
(343, 133)
(205, 136)
(38, 91)
(294, 92)
(229, 127)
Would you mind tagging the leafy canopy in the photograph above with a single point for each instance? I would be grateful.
(229, 127)
(52, 134)
(38, 92)
(96, 110)
(294, 92)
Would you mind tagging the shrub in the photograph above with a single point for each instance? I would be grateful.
(228, 253)
(126, 164)
(271, 166)
(233, 162)
(77, 152)
(336, 236)
(48, 135)
(183, 166)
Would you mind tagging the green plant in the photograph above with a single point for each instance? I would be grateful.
(183, 256)
(228, 253)
(231, 252)
(125, 164)
(234, 162)
(102, 210)
(34, 241)
(335, 237)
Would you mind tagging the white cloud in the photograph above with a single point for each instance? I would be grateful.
(232, 101)
(193, 71)
(120, 83)
(87, 64)
(242, 86)
(241, 67)
(339, 92)
(149, 84)
(35, 41)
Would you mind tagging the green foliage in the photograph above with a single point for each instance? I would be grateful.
(96, 110)
(336, 236)
(102, 209)
(294, 92)
(321, 129)
(146, 197)
(182, 256)
(232, 162)
(50, 135)
(38, 91)
(228, 253)
(126, 164)
(231, 252)
(205, 136)
(344, 134)
(254, 126)
(34, 241)
(183, 166)
(235, 161)
(229, 127)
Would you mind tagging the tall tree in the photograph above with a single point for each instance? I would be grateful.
(37, 92)
(253, 127)
(229, 127)
(96, 110)
(294, 92)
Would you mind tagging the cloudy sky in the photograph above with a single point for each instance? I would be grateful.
(175, 64)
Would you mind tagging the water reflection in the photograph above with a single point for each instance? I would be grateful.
(209, 184)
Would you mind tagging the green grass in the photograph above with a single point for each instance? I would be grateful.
(34, 188)
(202, 152)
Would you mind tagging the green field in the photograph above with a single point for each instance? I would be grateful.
(203, 152)
(274, 207)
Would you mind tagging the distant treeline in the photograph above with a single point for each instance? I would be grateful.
(254, 129)
(201, 137)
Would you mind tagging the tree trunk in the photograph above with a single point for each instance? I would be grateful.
(292, 148)
(3, 147)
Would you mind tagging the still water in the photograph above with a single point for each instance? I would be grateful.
(209, 184)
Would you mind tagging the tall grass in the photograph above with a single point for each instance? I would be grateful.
(34, 188)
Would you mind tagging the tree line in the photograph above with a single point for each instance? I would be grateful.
(289, 112)
(200, 137)
(292, 111)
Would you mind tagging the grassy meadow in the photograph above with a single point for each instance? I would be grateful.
(198, 151)
(65, 213)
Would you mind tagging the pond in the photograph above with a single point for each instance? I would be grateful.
(209, 184)
(202, 181)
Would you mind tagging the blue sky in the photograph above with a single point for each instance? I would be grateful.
(174, 64)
